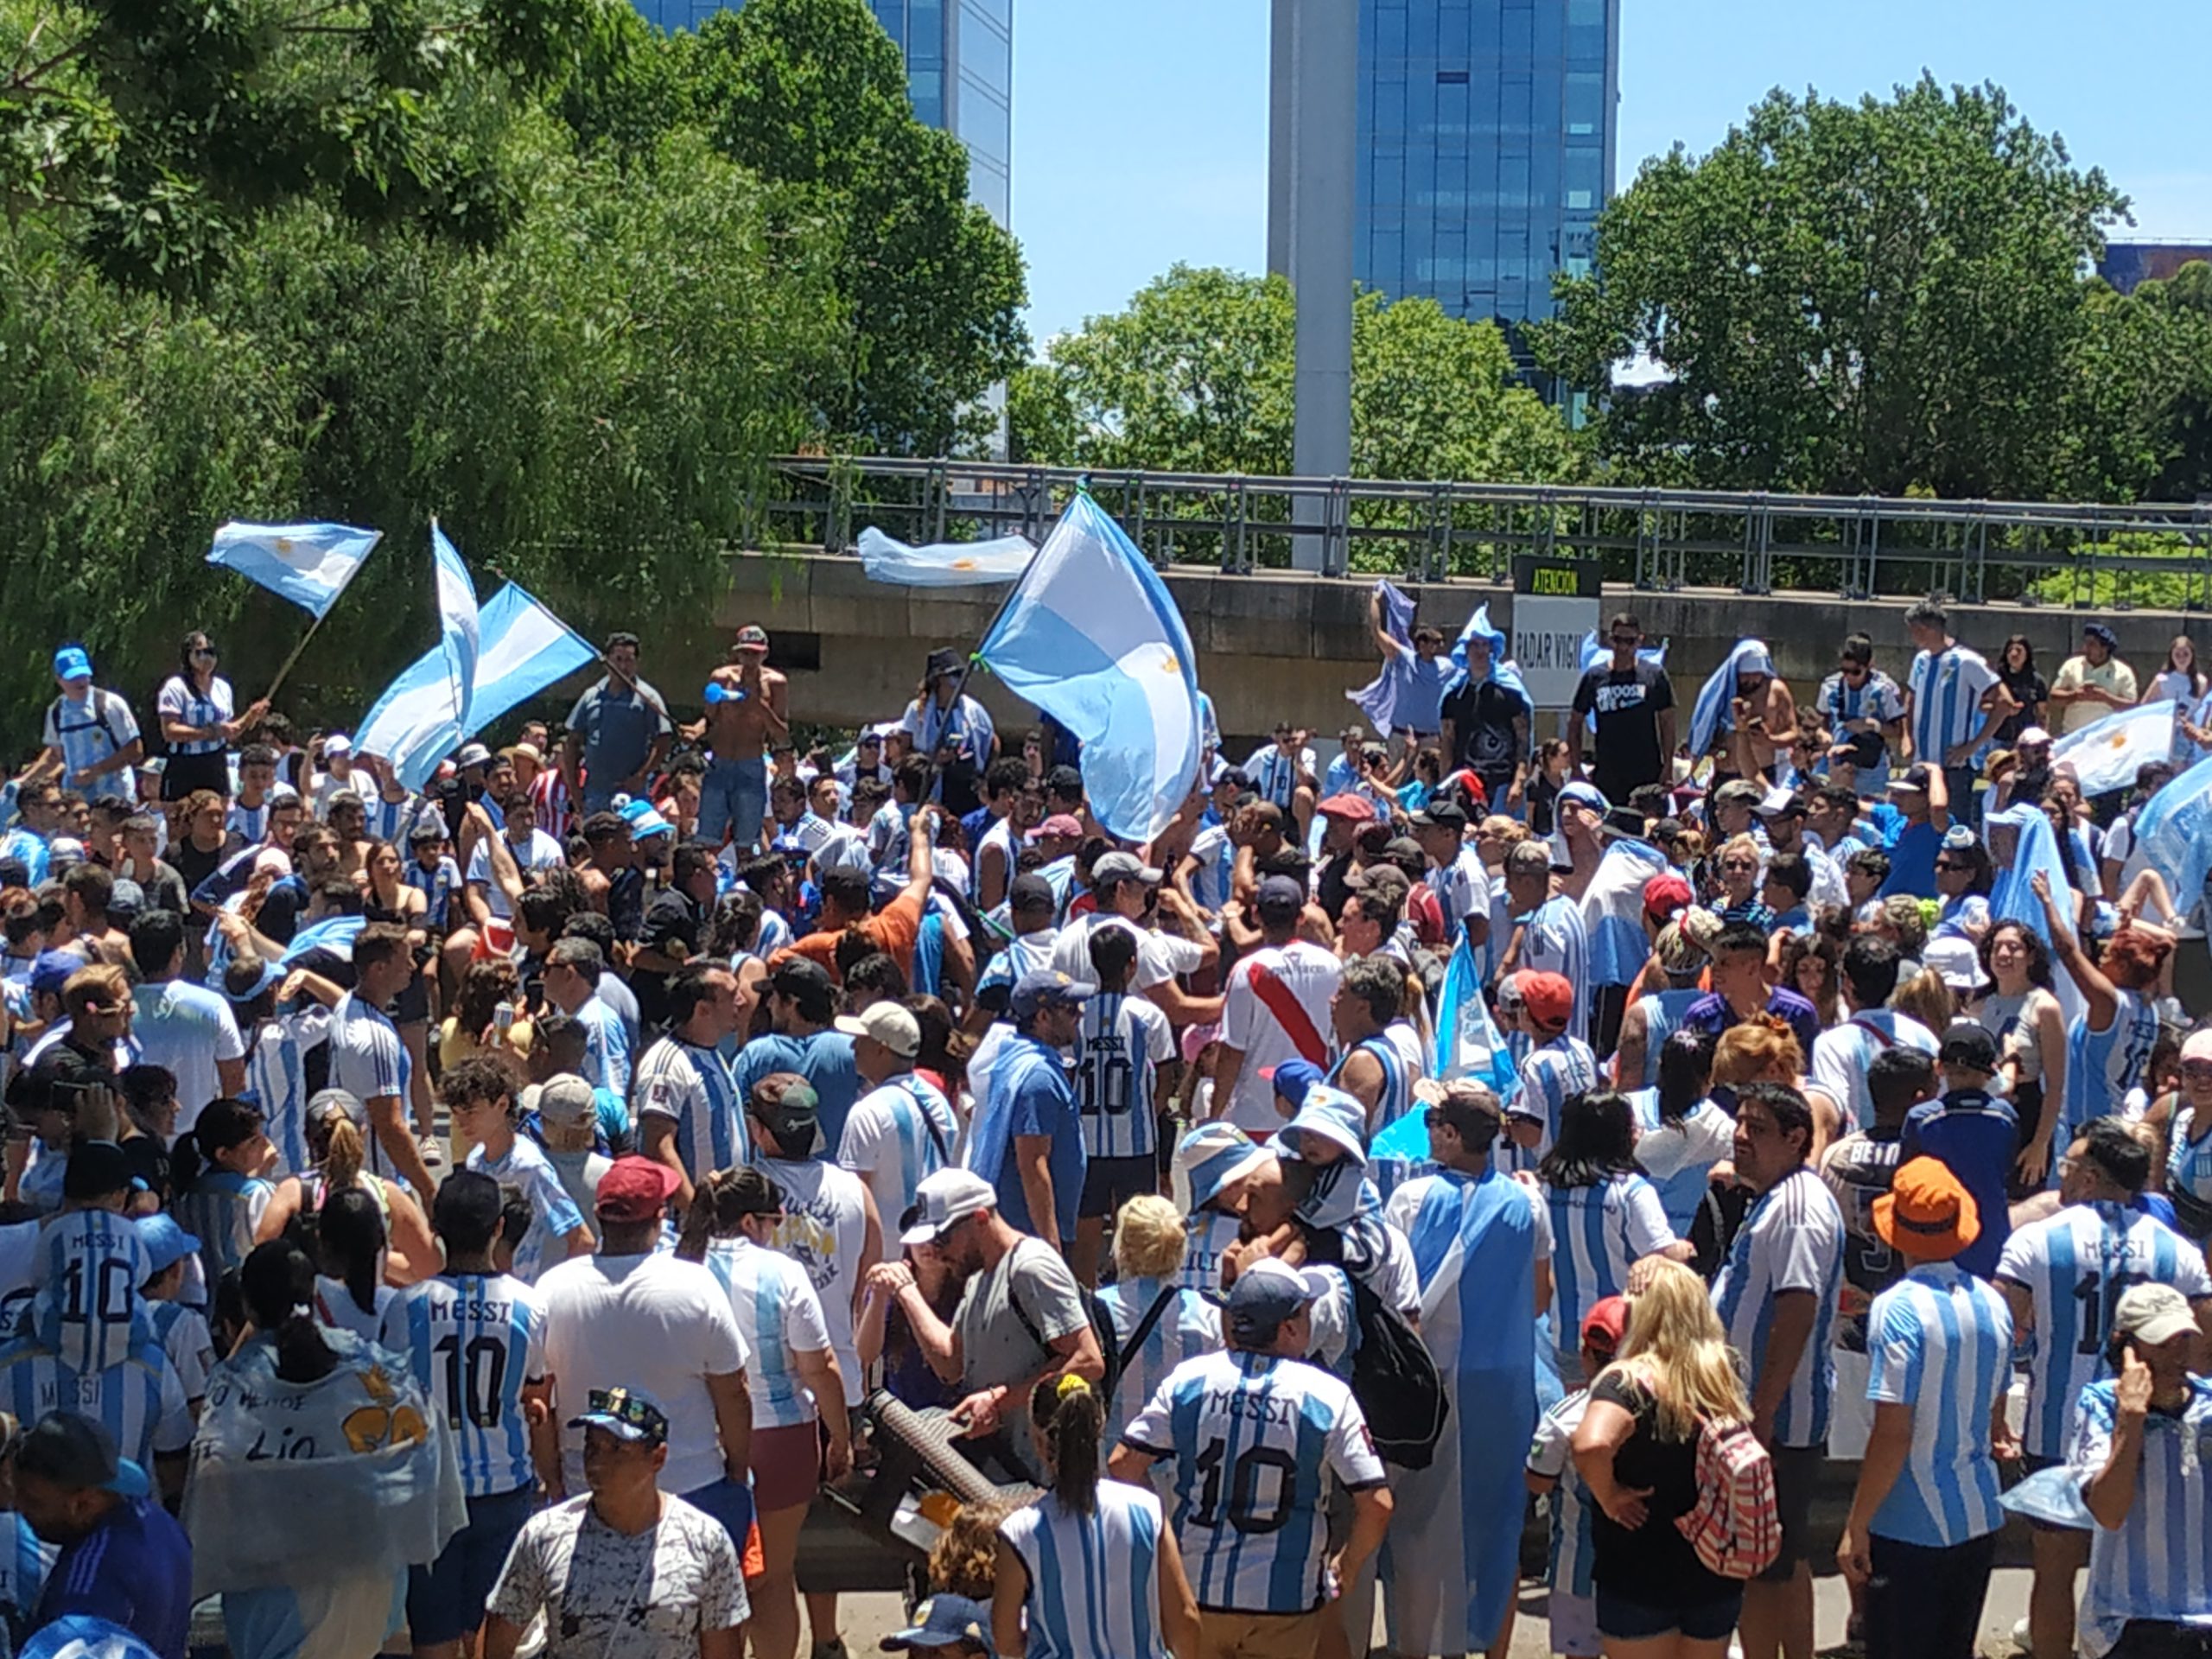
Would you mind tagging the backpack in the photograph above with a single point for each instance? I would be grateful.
(1735, 1526)
(101, 704)
(1395, 1378)
(1101, 1328)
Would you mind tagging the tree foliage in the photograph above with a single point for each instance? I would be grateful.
(1195, 376)
(1876, 297)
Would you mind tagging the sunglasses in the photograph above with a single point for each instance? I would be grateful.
(1628, 638)
(1854, 670)
(1944, 865)
(625, 1407)
(1739, 864)
(2197, 1068)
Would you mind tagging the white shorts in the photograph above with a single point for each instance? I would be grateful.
(1574, 1625)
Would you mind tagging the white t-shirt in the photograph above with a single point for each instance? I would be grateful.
(542, 853)
(647, 1322)
(824, 1230)
(895, 1136)
(768, 1289)
(1247, 1023)
(187, 1028)
(1161, 956)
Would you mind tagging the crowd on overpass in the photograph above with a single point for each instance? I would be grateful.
(487, 1212)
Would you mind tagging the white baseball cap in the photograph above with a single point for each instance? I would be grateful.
(946, 1199)
(894, 1027)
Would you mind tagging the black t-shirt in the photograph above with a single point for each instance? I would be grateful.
(2028, 688)
(1482, 716)
(193, 865)
(1655, 1564)
(1627, 703)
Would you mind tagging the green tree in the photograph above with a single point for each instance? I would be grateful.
(811, 95)
(2140, 424)
(1845, 298)
(1435, 396)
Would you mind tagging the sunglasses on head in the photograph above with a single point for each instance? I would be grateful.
(625, 1407)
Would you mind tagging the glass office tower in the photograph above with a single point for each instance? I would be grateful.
(1485, 148)
(959, 74)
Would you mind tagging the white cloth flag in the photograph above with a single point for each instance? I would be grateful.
(944, 564)
(2105, 753)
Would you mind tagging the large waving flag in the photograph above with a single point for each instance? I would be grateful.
(423, 715)
(1378, 698)
(522, 648)
(309, 565)
(1468, 1041)
(1091, 635)
(2104, 754)
(458, 620)
(1713, 715)
(1612, 911)
(944, 564)
(2174, 832)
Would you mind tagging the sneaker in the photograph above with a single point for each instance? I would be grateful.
(433, 1149)
(2020, 1641)
(833, 1648)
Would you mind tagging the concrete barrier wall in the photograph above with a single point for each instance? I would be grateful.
(1287, 645)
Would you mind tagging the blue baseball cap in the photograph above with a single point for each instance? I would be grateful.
(52, 969)
(940, 1622)
(1265, 1294)
(70, 663)
(1212, 1155)
(1045, 987)
(166, 1244)
(1292, 1078)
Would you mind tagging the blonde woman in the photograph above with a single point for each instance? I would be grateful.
(1150, 1243)
(1636, 1451)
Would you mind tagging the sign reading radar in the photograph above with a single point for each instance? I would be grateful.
(1555, 602)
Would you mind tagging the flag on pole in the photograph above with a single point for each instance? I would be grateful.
(424, 713)
(309, 565)
(457, 619)
(2104, 754)
(1712, 714)
(523, 648)
(944, 564)
(1091, 635)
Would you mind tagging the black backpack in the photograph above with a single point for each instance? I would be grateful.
(1102, 1327)
(1395, 1378)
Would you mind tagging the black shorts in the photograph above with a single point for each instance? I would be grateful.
(1797, 1473)
(1109, 1183)
(1639, 1621)
(182, 774)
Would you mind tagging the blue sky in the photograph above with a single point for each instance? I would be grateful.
(1140, 126)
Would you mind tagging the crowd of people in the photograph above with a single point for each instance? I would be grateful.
(486, 1212)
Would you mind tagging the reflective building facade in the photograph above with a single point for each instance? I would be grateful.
(959, 74)
(1485, 147)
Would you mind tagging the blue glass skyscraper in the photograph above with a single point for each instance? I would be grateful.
(1484, 149)
(959, 74)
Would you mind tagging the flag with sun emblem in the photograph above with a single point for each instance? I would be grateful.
(309, 565)
(2104, 754)
(942, 565)
(1091, 635)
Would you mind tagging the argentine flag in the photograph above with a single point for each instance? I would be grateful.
(2175, 833)
(944, 564)
(309, 565)
(2104, 754)
(1092, 637)
(1504, 673)
(424, 713)
(1713, 715)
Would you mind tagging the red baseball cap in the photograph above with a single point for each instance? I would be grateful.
(1548, 998)
(1666, 894)
(635, 1189)
(1605, 1324)
(1358, 808)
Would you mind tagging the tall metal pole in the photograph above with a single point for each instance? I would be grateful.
(1315, 47)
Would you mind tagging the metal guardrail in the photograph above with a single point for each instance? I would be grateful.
(2108, 556)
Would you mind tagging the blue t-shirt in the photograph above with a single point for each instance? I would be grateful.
(134, 1569)
(1912, 862)
(825, 1059)
(1711, 1014)
(1029, 1093)
(1976, 1136)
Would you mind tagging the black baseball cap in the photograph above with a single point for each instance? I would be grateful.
(95, 1169)
(1031, 891)
(79, 1452)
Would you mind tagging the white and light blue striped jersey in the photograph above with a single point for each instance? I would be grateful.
(1792, 1239)
(369, 1062)
(180, 700)
(182, 1331)
(277, 1081)
(1876, 697)
(1551, 1454)
(553, 1213)
(1124, 1042)
(2075, 1267)
(899, 1133)
(1211, 881)
(223, 1210)
(438, 885)
(1663, 1017)
(1551, 1076)
(249, 823)
(395, 821)
(2189, 1155)
(88, 1305)
(1212, 1232)
(1024, 953)
(472, 1340)
(1947, 688)
(2156, 1564)
(1553, 940)
(2102, 1066)
(1842, 1056)
(1394, 1101)
(692, 1087)
(1940, 1340)
(1094, 1579)
(1255, 1442)
(1187, 1328)
(1461, 889)
(606, 1046)
(24, 1564)
(139, 1399)
(88, 732)
(1598, 1233)
(780, 1317)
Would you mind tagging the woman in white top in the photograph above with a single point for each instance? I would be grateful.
(793, 1377)
(1149, 1246)
(2181, 680)
(1090, 1570)
(349, 1239)
(1681, 1133)
(195, 709)
(2022, 1012)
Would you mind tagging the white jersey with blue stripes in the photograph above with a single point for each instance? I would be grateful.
(1792, 1239)
(2076, 1266)
(2102, 1066)
(780, 1318)
(1188, 1326)
(1257, 1442)
(223, 1210)
(606, 1046)
(473, 1341)
(276, 1081)
(897, 1134)
(1550, 1076)
(88, 1306)
(1551, 1455)
(186, 1339)
(2157, 1565)
(1598, 1232)
(1094, 1579)
(1212, 1232)
(1123, 1043)
(1395, 1100)
(1940, 1341)
(553, 1214)
(1946, 687)
(2189, 1155)
(1555, 940)
(692, 1088)
(139, 1399)
(369, 1062)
